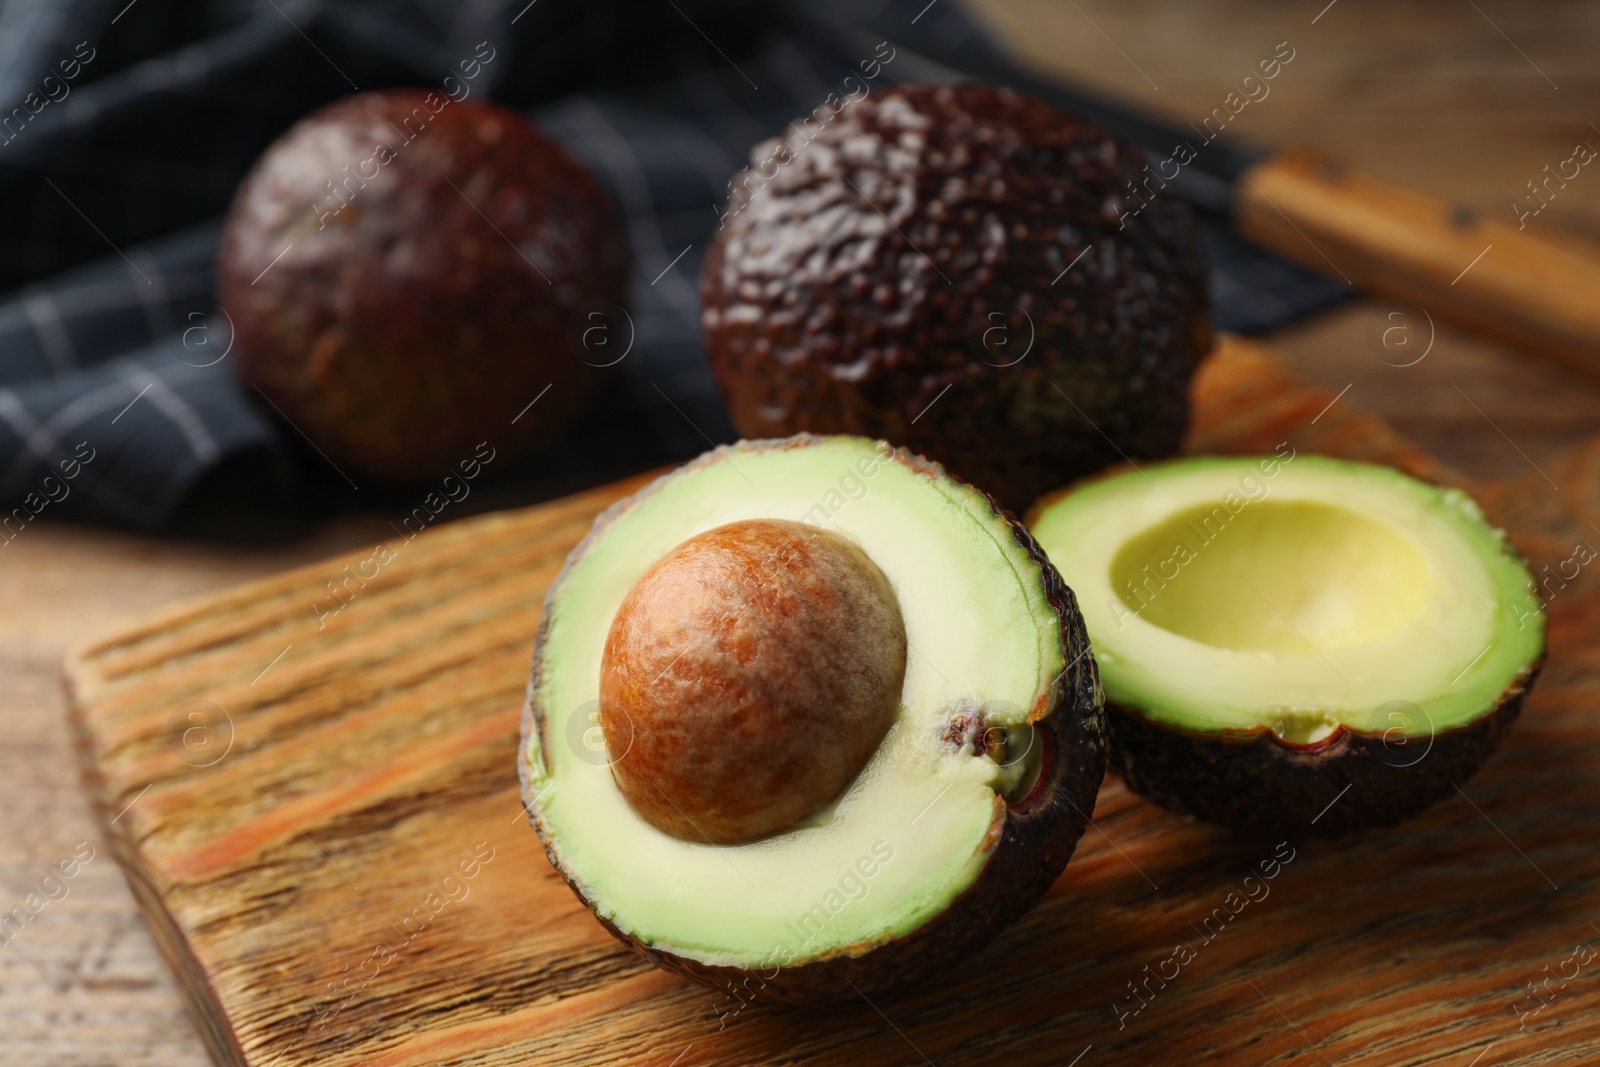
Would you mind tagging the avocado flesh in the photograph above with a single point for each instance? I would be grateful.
(1242, 594)
(920, 814)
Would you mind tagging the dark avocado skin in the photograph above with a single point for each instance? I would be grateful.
(1259, 785)
(822, 314)
(404, 329)
(1037, 834)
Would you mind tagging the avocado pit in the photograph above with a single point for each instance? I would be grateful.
(747, 678)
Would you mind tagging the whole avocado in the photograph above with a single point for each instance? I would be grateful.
(403, 271)
(968, 272)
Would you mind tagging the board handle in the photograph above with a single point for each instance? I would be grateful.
(1395, 242)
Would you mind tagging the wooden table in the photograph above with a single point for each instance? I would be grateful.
(1427, 93)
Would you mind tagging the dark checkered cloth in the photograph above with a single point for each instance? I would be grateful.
(124, 128)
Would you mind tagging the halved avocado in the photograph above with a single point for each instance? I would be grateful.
(1296, 644)
(962, 816)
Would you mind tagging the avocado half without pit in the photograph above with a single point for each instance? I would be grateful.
(1296, 644)
(808, 714)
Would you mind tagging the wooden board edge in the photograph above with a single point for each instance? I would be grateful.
(77, 661)
(200, 1000)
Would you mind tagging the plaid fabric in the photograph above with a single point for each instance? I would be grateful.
(137, 120)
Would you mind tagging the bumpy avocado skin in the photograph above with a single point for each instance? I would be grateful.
(927, 237)
(1037, 835)
(399, 304)
(1260, 785)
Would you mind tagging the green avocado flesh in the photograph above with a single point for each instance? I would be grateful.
(1293, 593)
(913, 829)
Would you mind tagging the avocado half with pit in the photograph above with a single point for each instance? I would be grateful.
(810, 714)
(1296, 644)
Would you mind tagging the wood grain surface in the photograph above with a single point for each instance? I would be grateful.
(1427, 93)
(318, 811)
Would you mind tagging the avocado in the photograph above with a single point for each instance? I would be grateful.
(403, 270)
(1293, 644)
(968, 272)
(809, 713)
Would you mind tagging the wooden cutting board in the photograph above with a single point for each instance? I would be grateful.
(318, 812)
